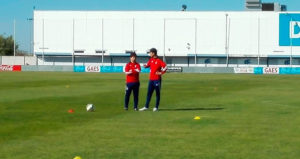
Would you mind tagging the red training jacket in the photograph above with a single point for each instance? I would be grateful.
(156, 65)
(132, 71)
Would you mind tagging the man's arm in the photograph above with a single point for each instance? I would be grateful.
(138, 69)
(163, 68)
(148, 64)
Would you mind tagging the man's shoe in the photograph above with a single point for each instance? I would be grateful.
(155, 109)
(135, 109)
(143, 109)
(125, 108)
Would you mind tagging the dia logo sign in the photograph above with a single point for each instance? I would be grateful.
(295, 29)
(289, 29)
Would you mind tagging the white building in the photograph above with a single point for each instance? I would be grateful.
(182, 38)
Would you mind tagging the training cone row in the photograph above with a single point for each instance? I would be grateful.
(197, 118)
(77, 157)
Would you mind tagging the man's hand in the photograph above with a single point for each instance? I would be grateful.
(145, 65)
(129, 72)
(137, 70)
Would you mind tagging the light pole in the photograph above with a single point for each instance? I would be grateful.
(258, 42)
(102, 37)
(188, 46)
(226, 40)
(291, 39)
(14, 37)
(31, 36)
(164, 58)
(43, 56)
(195, 41)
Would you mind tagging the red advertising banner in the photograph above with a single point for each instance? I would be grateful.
(17, 68)
(10, 68)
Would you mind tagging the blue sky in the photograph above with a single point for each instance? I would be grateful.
(22, 9)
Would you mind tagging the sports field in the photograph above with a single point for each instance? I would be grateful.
(242, 117)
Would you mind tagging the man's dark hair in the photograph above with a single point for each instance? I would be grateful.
(153, 50)
(133, 54)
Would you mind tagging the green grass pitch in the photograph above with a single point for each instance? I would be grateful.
(242, 117)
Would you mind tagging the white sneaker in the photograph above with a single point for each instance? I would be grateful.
(155, 109)
(143, 109)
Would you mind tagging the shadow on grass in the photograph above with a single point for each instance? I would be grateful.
(188, 109)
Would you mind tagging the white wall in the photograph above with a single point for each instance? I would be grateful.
(18, 60)
(248, 33)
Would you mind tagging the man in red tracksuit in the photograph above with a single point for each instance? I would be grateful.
(157, 68)
(132, 70)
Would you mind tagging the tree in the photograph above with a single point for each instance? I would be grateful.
(7, 46)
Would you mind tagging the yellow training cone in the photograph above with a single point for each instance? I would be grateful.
(197, 118)
(77, 157)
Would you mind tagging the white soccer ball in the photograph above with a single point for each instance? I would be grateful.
(90, 107)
